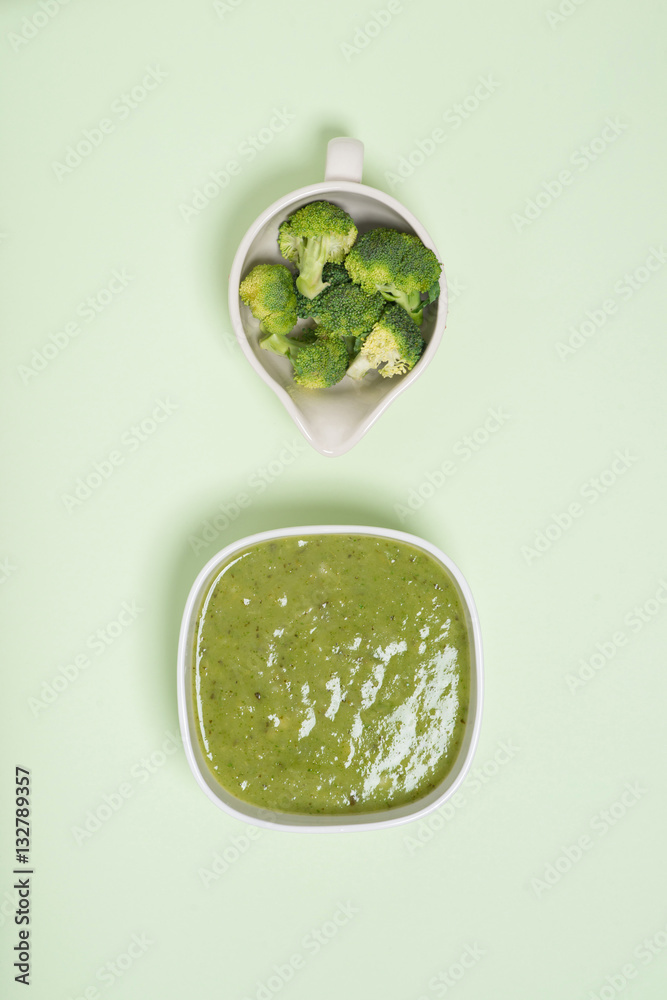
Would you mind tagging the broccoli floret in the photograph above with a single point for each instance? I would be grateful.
(318, 362)
(304, 306)
(352, 344)
(333, 275)
(394, 342)
(316, 234)
(347, 311)
(398, 266)
(268, 291)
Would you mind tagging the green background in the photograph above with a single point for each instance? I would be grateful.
(476, 875)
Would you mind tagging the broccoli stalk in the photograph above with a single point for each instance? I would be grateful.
(279, 343)
(312, 258)
(314, 235)
(410, 301)
(394, 342)
(318, 362)
(398, 266)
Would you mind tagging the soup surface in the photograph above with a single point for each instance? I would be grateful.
(331, 674)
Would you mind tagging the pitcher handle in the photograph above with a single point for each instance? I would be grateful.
(345, 160)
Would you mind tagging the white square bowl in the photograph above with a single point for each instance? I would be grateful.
(335, 823)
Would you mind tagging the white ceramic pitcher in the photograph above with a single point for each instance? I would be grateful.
(334, 419)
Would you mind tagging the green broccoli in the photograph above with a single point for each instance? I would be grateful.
(398, 266)
(314, 235)
(347, 311)
(394, 342)
(318, 362)
(268, 291)
(333, 275)
(352, 344)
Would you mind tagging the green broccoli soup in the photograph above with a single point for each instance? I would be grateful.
(331, 674)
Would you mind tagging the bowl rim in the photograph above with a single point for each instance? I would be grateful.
(323, 824)
(318, 189)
